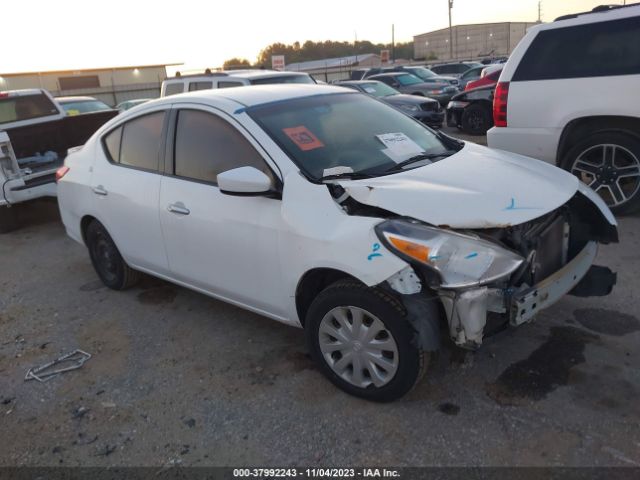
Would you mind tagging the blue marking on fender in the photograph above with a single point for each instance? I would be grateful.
(472, 255)
(434, 257)
(240, 110)
(375, 248)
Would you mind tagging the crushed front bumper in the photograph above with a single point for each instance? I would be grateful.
(467, 310)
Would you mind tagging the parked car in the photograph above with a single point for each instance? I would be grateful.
(81, 105)
(425, 110)
(488, 77)
(412, 85)
(568, 95)
(472, 111)
(35, 135)
(454, 69)
(233, 78)
(127, 104)
(368, 234)
(469, 76)
(423, 73)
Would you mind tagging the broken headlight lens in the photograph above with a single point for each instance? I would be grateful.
(460, 260)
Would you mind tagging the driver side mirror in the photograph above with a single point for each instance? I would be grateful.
(244, 181)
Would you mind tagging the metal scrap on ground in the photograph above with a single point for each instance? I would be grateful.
(65, 363)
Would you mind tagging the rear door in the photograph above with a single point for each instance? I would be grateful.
(126, 188)
(223, 244)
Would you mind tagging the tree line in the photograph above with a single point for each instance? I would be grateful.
(310, 50)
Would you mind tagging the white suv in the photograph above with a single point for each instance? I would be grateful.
(570, 95)
(233, 78)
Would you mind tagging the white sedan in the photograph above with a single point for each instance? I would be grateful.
(329, 210)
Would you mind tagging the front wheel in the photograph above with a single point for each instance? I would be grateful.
(362, 342)
(476, 120)
(609, 162)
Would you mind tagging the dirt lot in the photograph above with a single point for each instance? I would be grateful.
(177, 378)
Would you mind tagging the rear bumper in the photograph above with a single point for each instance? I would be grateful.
(540, 143)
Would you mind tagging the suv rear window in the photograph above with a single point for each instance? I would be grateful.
(25, 107)
(173, 88)
(593, 50)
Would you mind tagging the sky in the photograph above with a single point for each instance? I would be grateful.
(40, 35)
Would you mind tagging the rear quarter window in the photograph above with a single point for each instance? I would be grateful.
(594, 50)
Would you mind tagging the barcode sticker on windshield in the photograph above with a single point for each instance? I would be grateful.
(400, 145)
(303, 138)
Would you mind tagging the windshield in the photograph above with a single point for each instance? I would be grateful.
(84, 106)
(283, 79)
(379, 89)
(356, 132)
(25, 107)
(421, 72)
(408, 79)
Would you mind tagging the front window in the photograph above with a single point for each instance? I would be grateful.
(25, 107)
(283, 79)
(355, 132)
(84, 106)
(379, 89)
(408, 79)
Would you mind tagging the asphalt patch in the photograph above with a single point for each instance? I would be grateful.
(609, 322)
(544, 370)
(157, 296)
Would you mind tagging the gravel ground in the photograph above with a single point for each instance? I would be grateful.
(177, 378)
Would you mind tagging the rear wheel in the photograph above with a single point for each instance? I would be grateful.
(362, 342)
(8, 219)
(106, 259)
(476, 120)
(609, 162)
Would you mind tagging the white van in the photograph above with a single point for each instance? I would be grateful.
(568, 95)
(234, 78)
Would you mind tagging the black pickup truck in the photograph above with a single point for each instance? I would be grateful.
(35, 136)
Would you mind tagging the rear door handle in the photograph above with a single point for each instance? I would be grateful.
(99, 190)
(178, 208)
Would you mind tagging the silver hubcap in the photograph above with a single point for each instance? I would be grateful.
(358, 347)
(611, 170)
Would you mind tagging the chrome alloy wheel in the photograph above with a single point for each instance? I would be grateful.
(610, 170)
(358, 347)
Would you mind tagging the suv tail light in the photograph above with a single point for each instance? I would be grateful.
(500, 98)
(61, 172)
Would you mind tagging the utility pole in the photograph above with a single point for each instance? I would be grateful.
(393, 43)
(539, 11)
(450, 2)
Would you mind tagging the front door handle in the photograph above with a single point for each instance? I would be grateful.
(100, 190)
(178, 208)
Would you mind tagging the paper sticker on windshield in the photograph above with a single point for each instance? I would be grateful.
(369, 89)
(303, 138)
(400, 145)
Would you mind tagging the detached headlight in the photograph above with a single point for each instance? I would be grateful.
(460, 260)
(409, 108)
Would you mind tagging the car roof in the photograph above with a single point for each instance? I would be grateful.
(249, 74)
(393, 74)
(357, 82)
(22, 92)
(253, 95)
(75, 99)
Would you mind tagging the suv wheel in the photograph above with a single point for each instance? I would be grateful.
(476, 120)
(362, 342)
(609, 162)
(107, 261)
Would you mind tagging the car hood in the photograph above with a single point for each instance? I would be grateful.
(410, 99)
(475, 188)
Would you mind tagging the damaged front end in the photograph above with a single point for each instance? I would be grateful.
(507, 273)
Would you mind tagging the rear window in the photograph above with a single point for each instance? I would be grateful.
(593, 50)
(283, 79)
(26, 107)
(84, 106)
(194, 86)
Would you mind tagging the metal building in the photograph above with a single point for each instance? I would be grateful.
(470, 41)
(111, 85)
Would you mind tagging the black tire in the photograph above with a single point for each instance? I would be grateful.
(8, 219)
(476, 120)
(621, 193)
(411, 363)
(106, 259)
